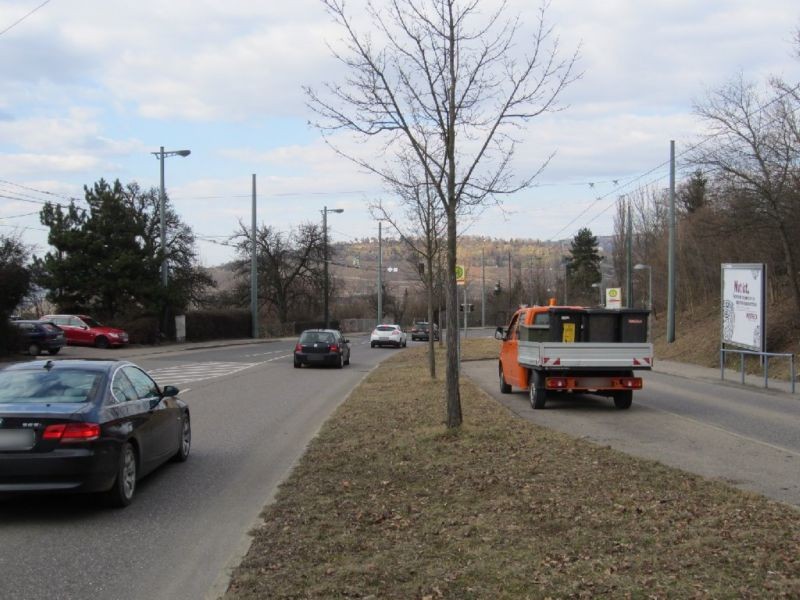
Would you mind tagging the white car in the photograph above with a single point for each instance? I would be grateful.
(388, 335)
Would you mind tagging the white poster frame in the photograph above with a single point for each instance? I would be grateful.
(735, 302)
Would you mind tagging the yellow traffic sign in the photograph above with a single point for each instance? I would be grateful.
(461, 275)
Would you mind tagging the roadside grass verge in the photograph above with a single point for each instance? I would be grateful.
(386, 503)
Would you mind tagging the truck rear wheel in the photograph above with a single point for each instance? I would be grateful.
(623, 400)
(538, 397)
(536, 391)
(504, 387)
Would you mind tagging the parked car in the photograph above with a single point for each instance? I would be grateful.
(34, 336)
(388, 335)
(86, 426)
(421, 331)
(322, 347)
(83, 330)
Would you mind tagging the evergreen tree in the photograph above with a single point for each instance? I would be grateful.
(14, 284)
(583, 266)
(106, 257)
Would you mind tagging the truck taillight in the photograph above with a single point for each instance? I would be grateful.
(631, 383)
(556, 383)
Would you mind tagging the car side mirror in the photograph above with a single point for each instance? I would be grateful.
(169, 390)
(499, 334)
(346, 341)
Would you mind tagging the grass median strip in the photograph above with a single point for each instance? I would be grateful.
(386, 503)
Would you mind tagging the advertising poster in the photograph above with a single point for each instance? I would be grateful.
(743, 306)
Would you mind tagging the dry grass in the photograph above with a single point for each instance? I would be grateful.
(388, 504)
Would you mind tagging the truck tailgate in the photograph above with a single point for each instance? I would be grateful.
(588, 355)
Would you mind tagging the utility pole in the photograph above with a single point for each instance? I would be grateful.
(325, 211)
(483, 289)
(254, 269)
(671, 250)
(380, 274)
(629, 255)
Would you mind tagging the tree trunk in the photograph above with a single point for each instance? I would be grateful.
(431, 334)
(454, 417)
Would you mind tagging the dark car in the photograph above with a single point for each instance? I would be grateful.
(322, 347)
(86, 426)
(35, 336)
(421, 331)
(83, 330)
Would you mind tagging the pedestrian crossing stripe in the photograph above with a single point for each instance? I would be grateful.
(189, 372)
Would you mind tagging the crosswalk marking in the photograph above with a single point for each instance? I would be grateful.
(197, 371)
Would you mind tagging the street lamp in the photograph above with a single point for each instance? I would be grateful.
(599, 286)
(641, 267)
(161, 154)
(325, 211)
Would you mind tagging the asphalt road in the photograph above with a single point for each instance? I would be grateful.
(252, 417)
(744, 436)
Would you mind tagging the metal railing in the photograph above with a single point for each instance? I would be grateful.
(765, 356)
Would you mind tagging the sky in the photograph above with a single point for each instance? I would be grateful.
(89, 89)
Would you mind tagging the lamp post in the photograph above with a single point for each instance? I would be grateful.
(325, 211)
(641, 267)
(599, 286)
(161, 154)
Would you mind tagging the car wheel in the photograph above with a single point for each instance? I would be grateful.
(101, 341)
(405, 343)
(34, 349)
(54, 351)
(340, 362)
(623, 400)
(504, 387)
(297, 364)
(121, 493)
(347, 362)
(186, 441)
(372, 344)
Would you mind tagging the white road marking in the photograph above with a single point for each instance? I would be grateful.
(197, 371)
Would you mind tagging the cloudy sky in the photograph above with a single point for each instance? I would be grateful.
(89, 88)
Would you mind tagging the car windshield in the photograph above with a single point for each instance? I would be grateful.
(316, 337)
(47, 386)
(90, 322)
(386, 328)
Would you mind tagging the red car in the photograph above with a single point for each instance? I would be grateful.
(82, 330)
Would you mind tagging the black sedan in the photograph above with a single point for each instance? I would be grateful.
(86, 426)
(322, 347)
(35, 336)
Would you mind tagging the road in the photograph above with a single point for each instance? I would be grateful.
(747, 437)
(252, 417)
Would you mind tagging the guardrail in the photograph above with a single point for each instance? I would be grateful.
(765, 356)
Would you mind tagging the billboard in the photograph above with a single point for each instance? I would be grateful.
(743, 305)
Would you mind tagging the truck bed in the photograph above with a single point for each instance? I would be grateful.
(585, 355)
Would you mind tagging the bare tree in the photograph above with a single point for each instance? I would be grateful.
(422, 232)
(750, 149)
(289, 265)
(449, 88)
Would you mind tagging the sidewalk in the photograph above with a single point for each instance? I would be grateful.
(732, 376)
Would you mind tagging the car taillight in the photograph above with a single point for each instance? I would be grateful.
(72, 432)
(395, 332)
(298, 348)
(334, 348)
(556, 383)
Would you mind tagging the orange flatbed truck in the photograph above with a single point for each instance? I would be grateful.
(557, 350)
